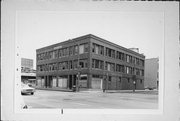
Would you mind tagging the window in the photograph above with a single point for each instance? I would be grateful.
(97, 64)
(130, 59)
(137, 71)
(60, 53)
(142, 72)
(53, 54)
(101, 50)
(119, 68)
(50, 67)
(129, 70)
(128, 80)
(56, 66)
(64, 65)
(75, 64)
(70, 65)
(122, 68)
(120, 79)
(98, 49)
(122, 56)
(83, 63)
(71, 50)
(133, 60)
(93, 48)
(110, 66)
(109, 78)
(81, 49)
(101, 65)
(141, 62)
(141, 81)
(75, 49)
(97, 76)
(56, 53)
(46, 67)
(113, 54)
(86, 47)
(110, 52)
(60, 66)
(137, 61)
(65, 51)
(93, 63)
(39, 68)
(127, 58)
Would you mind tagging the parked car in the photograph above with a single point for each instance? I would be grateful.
(150, 88)
(29, 84)
(25, 89)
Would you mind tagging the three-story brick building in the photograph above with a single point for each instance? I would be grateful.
(89, 62)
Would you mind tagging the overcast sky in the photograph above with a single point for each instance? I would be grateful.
(142, 30)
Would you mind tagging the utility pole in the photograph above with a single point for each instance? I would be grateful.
(134, 82)
(134, 77)
(105, 82)
(78, 78)
(78, 75)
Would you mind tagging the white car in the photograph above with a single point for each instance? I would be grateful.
(25, 89)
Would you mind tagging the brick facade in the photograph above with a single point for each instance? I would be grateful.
(102, 65)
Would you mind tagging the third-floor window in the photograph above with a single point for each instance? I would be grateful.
(110, 52)
(97, 49)
(83, 48)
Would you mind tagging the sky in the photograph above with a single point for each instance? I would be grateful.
(143, 30)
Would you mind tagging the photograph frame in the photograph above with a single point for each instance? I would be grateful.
(17, 69)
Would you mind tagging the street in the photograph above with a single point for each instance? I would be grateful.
(92, 100)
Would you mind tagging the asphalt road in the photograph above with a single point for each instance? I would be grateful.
(92, 100)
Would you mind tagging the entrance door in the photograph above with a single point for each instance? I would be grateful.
(96, 83)
(70, 81)
(74, 80)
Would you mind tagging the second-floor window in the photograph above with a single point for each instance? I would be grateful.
(83, 63)
(98, 64)
(110, 66)
(120, 68)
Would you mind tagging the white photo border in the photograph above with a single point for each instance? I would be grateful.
(13, 113)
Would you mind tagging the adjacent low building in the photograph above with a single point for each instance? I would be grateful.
(151, 73)
(89, 62)
(28, 74)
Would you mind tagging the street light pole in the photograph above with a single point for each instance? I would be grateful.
(78, 68)
(134, 79)
(134, 83)
(77, 86)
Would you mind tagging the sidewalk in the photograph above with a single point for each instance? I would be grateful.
(136, 91)
(101, 91)
(53, 89)
(153, 92)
